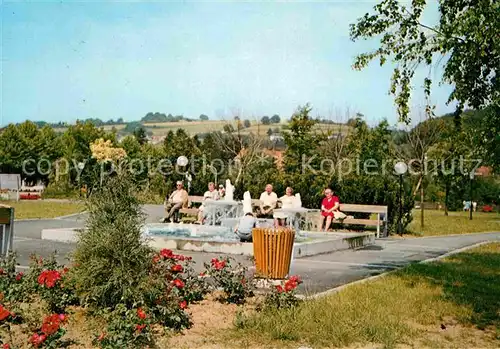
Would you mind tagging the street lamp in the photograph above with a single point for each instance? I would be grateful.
(400, 168)
(471, 176)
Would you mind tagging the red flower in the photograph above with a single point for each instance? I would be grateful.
(139, 328)
(65, 270)
(4, 313)
(178, 283)
(218, 265)
(214, 260)
(202, 274)
(156, 259)
(183, 305)
(177, 268)
(290, 285)
(49, 278)
(141, 313)
(101, 337)
(19, 276)
(295, 278)
(37, 339)
(166, 253)
(6, 346)
(279, 289)
(51, 324)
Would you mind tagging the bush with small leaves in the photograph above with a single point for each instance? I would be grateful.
(233, 281)
(283, 295)
(127, 328)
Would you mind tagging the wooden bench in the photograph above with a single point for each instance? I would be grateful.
(192, 211)
(380, 211)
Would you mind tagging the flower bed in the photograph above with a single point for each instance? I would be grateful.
(43, 308)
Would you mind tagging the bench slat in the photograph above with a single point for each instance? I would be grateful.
(370, 222)
(189, 211)
(363, 208)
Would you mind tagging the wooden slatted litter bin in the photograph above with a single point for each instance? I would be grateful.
(272, 249)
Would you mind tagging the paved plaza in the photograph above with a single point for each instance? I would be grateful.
(320, 272)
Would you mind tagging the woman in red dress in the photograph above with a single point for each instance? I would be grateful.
(329, 205)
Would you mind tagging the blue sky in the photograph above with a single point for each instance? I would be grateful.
(63, 61)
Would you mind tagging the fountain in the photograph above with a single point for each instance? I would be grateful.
(229, 191)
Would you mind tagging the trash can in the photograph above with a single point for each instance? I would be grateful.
(272, 249)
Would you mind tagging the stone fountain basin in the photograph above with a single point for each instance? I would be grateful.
(219, 239)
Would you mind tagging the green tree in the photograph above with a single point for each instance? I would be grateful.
(140, 134)
(246, 123)
(275, 119)
(265, 120)
(466, 34)
(203, 117)
(112, 259)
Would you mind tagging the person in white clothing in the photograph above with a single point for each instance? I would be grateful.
(268, 201)
(287, 201)
(210, 194)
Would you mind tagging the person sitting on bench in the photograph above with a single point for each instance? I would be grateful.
(329, 206)
(210, 194)
(268, 200)
(178, 199)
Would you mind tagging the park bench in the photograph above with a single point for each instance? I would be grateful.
(190, 210)
(352, 209)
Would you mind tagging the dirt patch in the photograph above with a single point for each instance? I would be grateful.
(210, 318)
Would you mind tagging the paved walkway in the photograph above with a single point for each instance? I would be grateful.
(320, 272)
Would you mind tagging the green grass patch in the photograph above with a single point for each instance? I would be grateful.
(405, 307)
(43, 209)
(436, 223)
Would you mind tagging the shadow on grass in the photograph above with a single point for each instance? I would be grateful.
(467, 279)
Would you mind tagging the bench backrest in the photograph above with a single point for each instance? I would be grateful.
(196, 199)
(363, 208)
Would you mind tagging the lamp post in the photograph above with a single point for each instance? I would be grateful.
(81, 166)
(400, 168)
(471, 176)
(182, 161)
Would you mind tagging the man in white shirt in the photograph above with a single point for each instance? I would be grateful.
(210, 194)
(175, 202)
(268, 200)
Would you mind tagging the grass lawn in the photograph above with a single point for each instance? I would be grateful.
(449, 304)
(436, 223)
(43, 209)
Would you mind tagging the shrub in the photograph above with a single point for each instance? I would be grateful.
(233, 281)
(127, 328)
(12, 285)
(112, 260)
(52, 283)
(283, 295)
(50, 333)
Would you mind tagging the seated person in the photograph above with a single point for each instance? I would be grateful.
(210, 194)
(287, 201)
(268, 200)
(329, 206)
(244, 227)
(178, 199)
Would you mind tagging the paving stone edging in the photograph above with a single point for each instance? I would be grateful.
(375, 277)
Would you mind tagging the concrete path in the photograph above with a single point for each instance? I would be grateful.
(320, 272)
